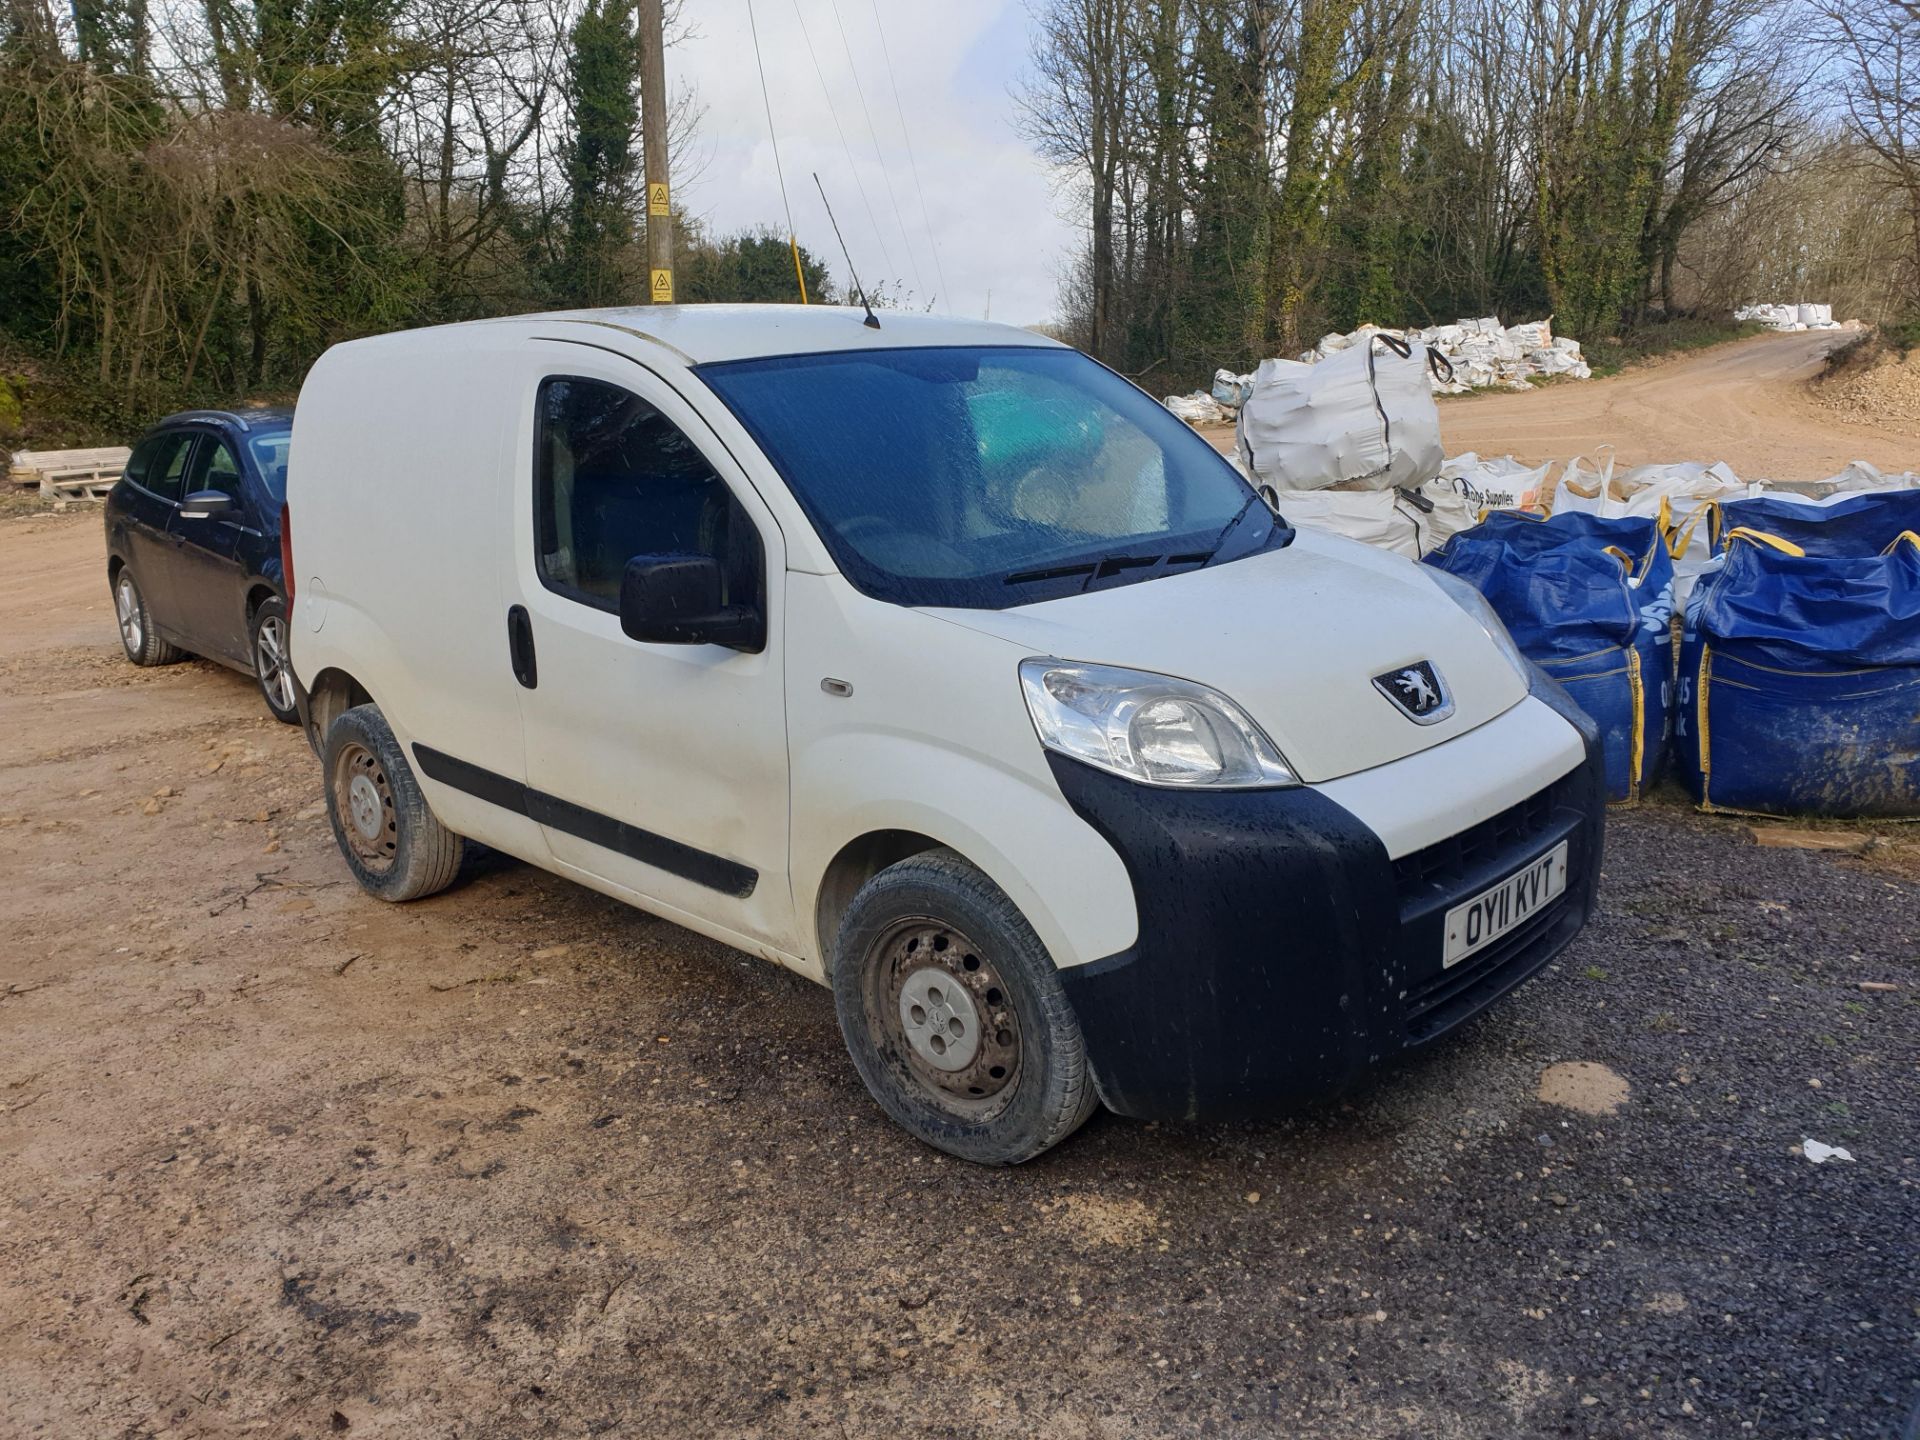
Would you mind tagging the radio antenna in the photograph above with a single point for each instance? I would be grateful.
(872, 322)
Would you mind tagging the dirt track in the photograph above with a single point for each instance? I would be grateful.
(278, 1160)
(1746, 403)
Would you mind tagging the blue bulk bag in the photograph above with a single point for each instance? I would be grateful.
(1800, 680)
(1590, 600)
(1857, 525)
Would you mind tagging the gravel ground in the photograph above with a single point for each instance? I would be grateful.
(1883, 391)
(278, 1160)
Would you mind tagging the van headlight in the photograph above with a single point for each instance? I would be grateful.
(1475, 604)
(1149, 728)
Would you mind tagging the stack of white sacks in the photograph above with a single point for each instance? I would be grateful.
(1790, 317)
(1352, 445)
(1481, 354)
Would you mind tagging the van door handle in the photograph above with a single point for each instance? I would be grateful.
(520, 647)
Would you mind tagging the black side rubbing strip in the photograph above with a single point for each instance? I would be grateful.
(494, 789)
(715, 872)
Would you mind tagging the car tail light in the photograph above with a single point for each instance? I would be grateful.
(286, 556)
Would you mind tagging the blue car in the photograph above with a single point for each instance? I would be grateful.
(193, 546)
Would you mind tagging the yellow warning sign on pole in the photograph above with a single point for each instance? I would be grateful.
(663, 287)
(657, 199)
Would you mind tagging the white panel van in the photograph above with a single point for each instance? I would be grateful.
(945, 667)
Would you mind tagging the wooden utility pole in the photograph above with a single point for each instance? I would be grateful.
(653, 139)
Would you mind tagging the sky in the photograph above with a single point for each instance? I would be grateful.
(992, 220)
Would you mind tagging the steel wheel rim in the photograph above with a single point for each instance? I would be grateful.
(126, 608)
(962, 1048)
(270, 662)
(363, 801)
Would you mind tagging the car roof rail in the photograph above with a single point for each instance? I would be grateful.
(238, 421)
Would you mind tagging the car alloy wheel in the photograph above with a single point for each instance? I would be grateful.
(126, 608)
(270, 663)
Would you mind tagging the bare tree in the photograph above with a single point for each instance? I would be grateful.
(1876, 70)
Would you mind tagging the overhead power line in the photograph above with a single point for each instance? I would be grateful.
(793, 240)
(906, 134)
(913, 262)
(846, 149)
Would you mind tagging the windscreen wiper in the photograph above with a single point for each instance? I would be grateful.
(1254, 502)
(1098, 568)
(1052, 572)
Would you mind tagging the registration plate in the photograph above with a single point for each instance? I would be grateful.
(1482, 920)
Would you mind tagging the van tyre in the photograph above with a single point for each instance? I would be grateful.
(395, 846)
(272, 668)
(955, 1016)
(137, 635)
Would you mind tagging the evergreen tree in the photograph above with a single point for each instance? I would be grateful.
(603, 163)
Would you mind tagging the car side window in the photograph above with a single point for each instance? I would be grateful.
(215, 468)
(141, 460)
(614, 478)
(160, 464)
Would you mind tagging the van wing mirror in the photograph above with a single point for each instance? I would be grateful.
(676, 600)
(205, 504)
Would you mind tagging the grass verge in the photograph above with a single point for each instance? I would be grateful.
(1612, 354)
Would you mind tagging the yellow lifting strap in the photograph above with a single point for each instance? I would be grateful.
(1678, 537)
(1761, 537)
(1905, 537)
(1637, 569)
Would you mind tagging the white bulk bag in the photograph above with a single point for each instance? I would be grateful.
(1655, 490)
(1409, 523)
(1584, 488)
(1494, 484)
(1365, 415)
(1231, 389)
(1535, 336)
(1860, 478)
(1198, 408)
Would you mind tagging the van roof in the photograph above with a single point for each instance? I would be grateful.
(703, 333)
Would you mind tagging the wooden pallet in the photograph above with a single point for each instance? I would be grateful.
(86, 484)
(69, 474)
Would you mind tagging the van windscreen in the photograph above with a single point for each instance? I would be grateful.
(990, 477)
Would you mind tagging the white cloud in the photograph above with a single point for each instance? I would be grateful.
(989, 199)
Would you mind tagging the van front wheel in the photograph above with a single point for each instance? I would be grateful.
(955, 1016)
(395, 846)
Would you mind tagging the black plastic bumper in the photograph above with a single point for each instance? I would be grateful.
(1282, 954)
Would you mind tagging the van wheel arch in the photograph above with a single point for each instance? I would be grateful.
(858, 861)
(332, 694)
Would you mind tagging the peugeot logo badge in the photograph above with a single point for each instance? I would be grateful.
(1418, 691)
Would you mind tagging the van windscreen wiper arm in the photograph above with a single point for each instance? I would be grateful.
(1095, 569)
(1051, 572)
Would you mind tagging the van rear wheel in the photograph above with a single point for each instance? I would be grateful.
(955, 1016)
(396, 847)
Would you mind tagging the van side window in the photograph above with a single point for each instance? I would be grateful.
(614, 478)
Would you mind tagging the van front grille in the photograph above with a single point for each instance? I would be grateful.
(1442, 866)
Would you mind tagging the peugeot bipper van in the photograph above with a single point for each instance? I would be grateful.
(945, 667)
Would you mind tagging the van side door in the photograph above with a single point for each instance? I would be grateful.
(659, 769)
